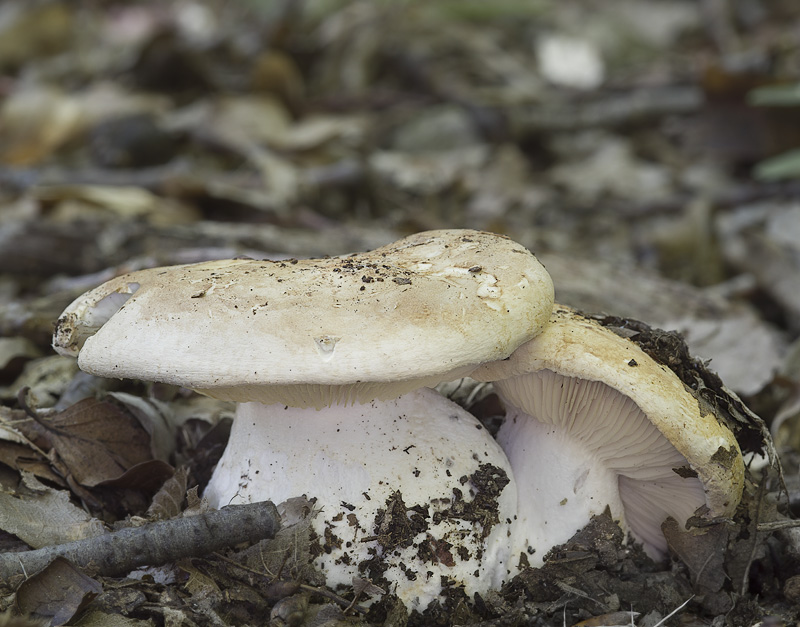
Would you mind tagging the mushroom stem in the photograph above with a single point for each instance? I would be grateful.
(563, 486)
(605, 452)
(415, 483)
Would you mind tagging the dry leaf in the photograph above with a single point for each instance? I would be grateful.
(96, 440)
(96, 618)
(19, 453)
(168, 501)
(57, 593)
(290, 610)
(244, 119)
(14, 351)
(365, 586)
(24, 458)
(47, 378)
(29, 30)
(426, 173)
(702, 550)
(76, 202)
(8, 433)
(156, 418)
(42, 516)
(314, 132)
(329, 615)
(198, 584)
(612, 169)
(147, 476)
(7, 619)
(34, 122)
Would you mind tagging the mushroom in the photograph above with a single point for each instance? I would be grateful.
(411, 490)
(327, 358)
(592, 421)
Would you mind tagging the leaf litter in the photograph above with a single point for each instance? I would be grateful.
(166, 135)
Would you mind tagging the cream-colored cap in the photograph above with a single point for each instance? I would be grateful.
(427, 308)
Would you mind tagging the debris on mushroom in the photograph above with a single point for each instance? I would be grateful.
(407, 490)
(326, 358)
(593, 422)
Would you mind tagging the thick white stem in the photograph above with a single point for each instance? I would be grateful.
(560, 483)
(352, 459)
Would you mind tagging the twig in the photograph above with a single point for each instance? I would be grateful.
(579, 593)
(636, 106)
(751, 558)
(333, 597)
(119, 552)
(673, 612)
(777, 525)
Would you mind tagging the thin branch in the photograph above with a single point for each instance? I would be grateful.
(762, 486)
(631, 107)
(119, 552)
(777, 525)
(673, 612)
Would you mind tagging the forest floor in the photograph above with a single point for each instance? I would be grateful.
(645, 150)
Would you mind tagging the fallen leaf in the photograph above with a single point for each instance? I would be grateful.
(168, 501)
(14, 352)
(47, 378)
(57, 593)
(365, 586)
(35, 121)
(147, 476)
(702, 549)
(24, 458)
(96, 618)
(156, 418)
(42, 516)
(198, 584)
(96, 440)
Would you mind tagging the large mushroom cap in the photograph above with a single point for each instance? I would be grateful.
(640, 440)
(427, 308)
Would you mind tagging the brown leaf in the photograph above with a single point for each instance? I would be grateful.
(57, 593)
(14, 352)
(22, 514)
(168, 501)
(21, 458)
(155, 418)
(96, 440)
(365, 586)
(702, 549)
(148, 476)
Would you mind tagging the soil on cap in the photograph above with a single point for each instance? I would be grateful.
(670, 349)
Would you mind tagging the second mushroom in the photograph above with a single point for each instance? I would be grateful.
(592, 421)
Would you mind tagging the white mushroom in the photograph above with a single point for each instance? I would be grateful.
(593, 421)
(358, 336)
(413, 485)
